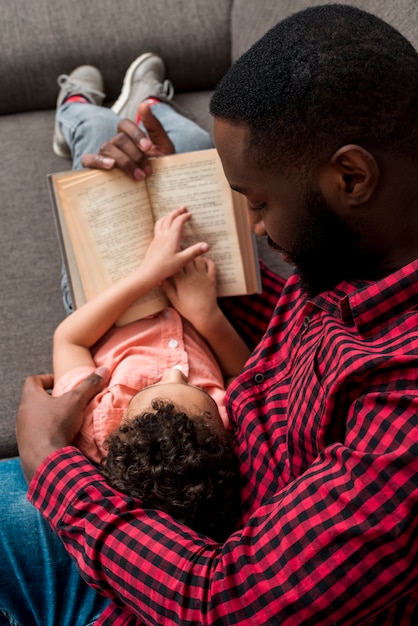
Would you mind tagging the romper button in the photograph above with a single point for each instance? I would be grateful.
(259, 378)
(173, 343)
(306, 321)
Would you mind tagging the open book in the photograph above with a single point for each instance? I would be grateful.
(105, 221)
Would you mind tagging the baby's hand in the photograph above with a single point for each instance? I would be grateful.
(192, 291)
(165, 256)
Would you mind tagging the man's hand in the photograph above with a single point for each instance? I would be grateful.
(131, 148)
(44, 423)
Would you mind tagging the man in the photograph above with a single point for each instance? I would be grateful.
(316, 125)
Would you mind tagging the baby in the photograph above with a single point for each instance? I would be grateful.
(159, 429)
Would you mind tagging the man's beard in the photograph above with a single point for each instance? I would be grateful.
(326, 250)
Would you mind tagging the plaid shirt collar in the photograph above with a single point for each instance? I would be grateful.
(370, 304)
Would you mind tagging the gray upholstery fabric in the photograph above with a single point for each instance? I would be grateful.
(250, 20)
(30, 304)
(44, 38)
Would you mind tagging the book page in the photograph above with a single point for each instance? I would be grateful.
(110, 226)
(248, 243)
(77, 292)
(196, 180)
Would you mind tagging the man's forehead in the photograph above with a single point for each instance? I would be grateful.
(223, 129)
(231, 141)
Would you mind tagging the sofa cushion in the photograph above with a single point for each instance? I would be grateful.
(43, 39)
(30, 304)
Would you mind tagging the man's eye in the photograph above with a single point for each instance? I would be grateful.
(259, 207)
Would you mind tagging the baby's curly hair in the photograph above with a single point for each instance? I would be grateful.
(176, 463)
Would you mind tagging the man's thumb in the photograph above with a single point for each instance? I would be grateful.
(91, 385)
(154, 128)
(103, 373)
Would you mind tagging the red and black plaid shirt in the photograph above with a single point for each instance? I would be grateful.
(325, 418)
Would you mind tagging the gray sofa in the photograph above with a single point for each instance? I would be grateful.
(40, 40)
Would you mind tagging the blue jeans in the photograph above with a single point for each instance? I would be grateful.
(86, 127)
(40, 584)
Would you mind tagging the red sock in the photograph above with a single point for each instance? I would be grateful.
(151, 102)
(76, 98)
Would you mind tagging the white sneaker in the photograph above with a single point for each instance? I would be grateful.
(85, 81)
(144, 79)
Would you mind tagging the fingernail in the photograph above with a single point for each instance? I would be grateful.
(108, 163)
(145, 144)
(138, 174)
(148, 170)
(103, 372)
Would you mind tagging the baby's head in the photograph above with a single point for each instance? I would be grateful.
(174, 388)
(174, 454)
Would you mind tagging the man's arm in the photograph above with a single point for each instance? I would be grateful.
(336, 545)
(304, 557)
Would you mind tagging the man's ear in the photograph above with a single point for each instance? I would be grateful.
(350, 176)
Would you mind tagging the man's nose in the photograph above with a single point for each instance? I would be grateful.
(256, 223)
(173, 375)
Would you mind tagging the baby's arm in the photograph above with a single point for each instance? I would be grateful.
(82, 329)
(192, 291)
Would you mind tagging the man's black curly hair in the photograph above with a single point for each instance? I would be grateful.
(323, 78)
(178, 464)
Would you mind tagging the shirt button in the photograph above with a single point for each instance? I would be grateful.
(173, 343)
(259, 378)
(306, 321)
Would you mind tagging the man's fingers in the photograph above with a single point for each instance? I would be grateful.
(38, 383)
(85, 391)
(161, 142)
(127, 154)
(90, 386)
(122, 151)
(129, 150)
(98, 162)
(134, 143)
